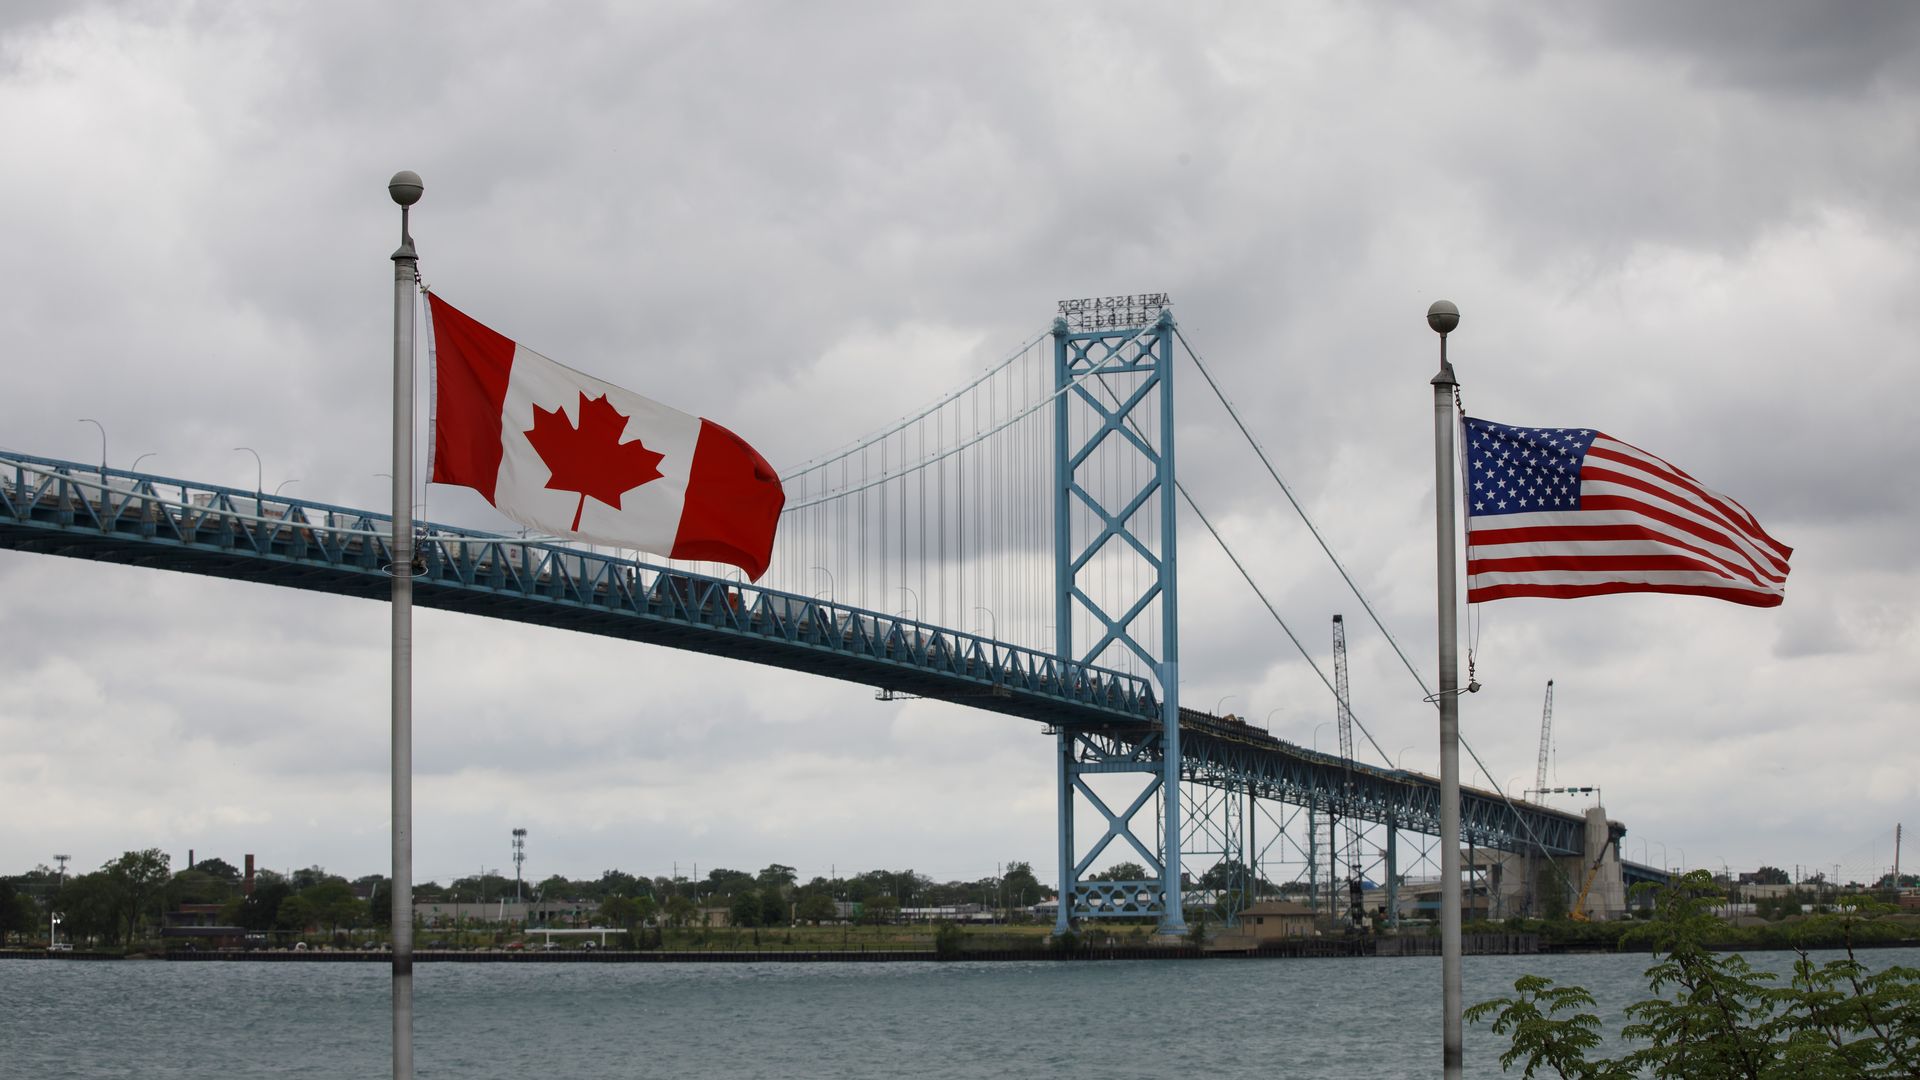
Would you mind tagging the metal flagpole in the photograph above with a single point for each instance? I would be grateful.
(1443, 317)
(405, 188)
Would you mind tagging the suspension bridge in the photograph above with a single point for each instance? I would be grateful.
(1037, 505)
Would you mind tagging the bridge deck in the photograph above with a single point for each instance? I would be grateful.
(63, 508)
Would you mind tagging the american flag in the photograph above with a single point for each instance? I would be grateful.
(1564, 512)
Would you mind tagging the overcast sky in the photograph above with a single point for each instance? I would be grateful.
(1690, 226)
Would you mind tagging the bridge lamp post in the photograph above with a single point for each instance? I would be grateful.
(1218, 704)
(103, 442)
(141, 458)
(833, 590)
(1665, 866)
(993, 623)
(916, 602)
(1270, 713)
(284, 483)
(1683, 857)
(259, 470)
(1316, 734)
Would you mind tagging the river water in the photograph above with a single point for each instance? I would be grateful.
(1372, 1018)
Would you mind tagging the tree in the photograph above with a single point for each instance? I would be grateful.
(1723, 1018)
(775, 877)
(773, 908)
(1125, 871)
(620, 883)
(93, 906)
(295, 914)
(307, 878)
(260, 911)
(1226, 874)
(1019, 886)
(332, 904)
(379, 899)
(620, 911)
(218, 868)
(195, 887)
(745, 909)
(14, 917)
(880, 910)
(143, 877)
(1550, 885)
(1771, 875)
(680, 911)
(724, 882)
(555, 887)
(816, 908)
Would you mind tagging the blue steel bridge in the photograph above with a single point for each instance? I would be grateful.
(1243, 791)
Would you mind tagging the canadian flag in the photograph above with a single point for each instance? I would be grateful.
(564, 453)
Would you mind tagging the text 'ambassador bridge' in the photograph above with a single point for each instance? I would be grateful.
(1010, 547)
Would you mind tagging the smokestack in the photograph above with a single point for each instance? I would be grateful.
(249, 887)
(189, 858)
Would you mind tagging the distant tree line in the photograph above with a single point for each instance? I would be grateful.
(125, 901)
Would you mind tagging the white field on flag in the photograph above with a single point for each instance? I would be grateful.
(1562, 512)
(648, 516)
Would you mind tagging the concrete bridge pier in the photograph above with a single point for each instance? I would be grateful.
(1607, 896)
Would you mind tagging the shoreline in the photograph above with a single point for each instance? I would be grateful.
(1304, 948)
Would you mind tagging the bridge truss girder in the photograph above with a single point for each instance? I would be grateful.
(1115, 719)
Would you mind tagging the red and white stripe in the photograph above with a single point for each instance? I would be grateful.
(1643, 526)
(714, 499)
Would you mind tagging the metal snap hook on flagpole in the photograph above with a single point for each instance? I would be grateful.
(1472, 687)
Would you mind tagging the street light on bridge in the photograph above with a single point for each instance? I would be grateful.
(103, 442)
(259, 470)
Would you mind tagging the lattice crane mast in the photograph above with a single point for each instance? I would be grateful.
(1546, 738)
(1344, 703)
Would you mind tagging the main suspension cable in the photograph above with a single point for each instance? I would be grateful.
(1344, 576)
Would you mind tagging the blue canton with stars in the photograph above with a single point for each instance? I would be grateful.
(1514, 470)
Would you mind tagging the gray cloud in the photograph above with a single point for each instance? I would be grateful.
(1690, 226)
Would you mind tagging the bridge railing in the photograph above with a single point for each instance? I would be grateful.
(116, 504)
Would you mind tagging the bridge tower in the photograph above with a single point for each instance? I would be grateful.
(1115, 602)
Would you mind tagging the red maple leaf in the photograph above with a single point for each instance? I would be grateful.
(591, 459)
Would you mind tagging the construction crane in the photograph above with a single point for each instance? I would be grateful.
(1540, 784)
(1546, 738)
(1355, 904)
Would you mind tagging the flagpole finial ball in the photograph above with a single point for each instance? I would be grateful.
(1442, 316)
(405, 187)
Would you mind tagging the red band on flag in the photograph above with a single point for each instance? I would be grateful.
(471, 365)
(733, 503)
